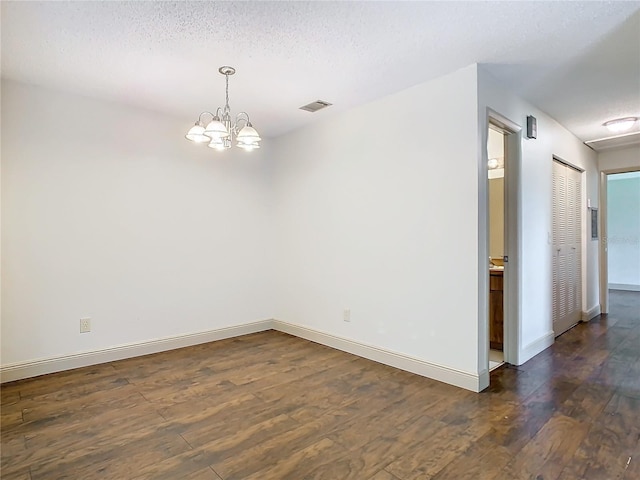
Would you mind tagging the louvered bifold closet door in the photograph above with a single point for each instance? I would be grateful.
(567, 247)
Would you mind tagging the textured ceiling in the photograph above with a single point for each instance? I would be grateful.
(578, 61)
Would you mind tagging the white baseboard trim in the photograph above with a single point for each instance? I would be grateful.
(441, 373)
(624, 286)
(458, 378)
(532, 349)
(483, 380)
(591, 313)
(17, 371)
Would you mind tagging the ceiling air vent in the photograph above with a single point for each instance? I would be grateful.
(315, 106)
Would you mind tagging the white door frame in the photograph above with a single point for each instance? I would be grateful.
(513, 227)
(602, 226)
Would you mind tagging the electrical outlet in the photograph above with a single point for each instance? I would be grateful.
(347, 315)
(85, 325)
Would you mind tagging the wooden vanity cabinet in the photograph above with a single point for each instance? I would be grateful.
(496, 314)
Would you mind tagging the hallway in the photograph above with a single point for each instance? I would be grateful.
(579, 399)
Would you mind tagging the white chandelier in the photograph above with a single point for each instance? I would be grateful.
(220, 131)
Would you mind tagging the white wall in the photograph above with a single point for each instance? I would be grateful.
(535, 210)
(628, 157)
(496, 217)
(623, 230)
(109, 212)
(378, 214)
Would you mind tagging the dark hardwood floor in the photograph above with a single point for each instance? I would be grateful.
(270, 406)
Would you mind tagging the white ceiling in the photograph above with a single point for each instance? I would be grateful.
(578, 61)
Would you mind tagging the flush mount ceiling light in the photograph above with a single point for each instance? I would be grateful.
(620, 125)
(220, 131)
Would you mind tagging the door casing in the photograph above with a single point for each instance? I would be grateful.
(513, 227)
(602, 227)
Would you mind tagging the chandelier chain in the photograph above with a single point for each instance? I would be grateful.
(227, 92)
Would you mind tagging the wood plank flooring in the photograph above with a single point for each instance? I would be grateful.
(270, 406)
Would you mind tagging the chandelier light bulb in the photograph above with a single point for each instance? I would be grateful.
(217, 144)
(216, 129)
(248, 134)
(196, 134)
(248, 146)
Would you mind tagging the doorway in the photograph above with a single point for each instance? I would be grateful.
(567, 247)
(509, 138)
(620, 232)
(496, 167)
